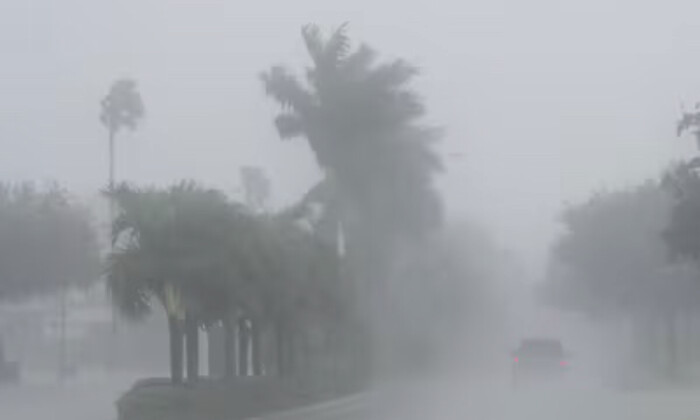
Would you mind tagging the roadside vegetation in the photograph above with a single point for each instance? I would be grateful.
(629, 257)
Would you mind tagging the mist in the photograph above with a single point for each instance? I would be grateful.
(348, 210)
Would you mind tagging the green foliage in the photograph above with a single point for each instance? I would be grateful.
(221, 400)
(363, 122)
(122, 107)
(302, 276)
(361, 118)
(690, 121)
(185, 236)
(611, 255)
(46, 242)
(217, 254)
(683, 232)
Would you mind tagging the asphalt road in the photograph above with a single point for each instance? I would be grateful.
(89, 397)
(493, 401)
(92, 398)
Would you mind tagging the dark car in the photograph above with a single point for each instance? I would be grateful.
(539, 358)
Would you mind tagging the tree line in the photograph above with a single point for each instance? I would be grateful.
(632, 254)
(320, 267)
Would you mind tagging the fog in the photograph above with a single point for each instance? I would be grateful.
(555, 220)
(517, 85)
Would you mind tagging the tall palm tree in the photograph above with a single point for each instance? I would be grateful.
(121, 108)
(363, 122)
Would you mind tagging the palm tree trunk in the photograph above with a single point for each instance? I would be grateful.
(671, 344)
(291, 353)
(280, 353)
(687, 336)
(63, 365)
(192, 340)
(243, 347)
(229, 347)
(257, 348)
(176, 353)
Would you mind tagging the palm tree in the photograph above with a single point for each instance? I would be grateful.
(363, 123)
(206, 260)
(180, 247)
(121, 108)
(300, 288)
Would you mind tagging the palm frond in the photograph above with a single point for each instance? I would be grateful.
(123, 106)
(311, 35)
(359, 62)
(337, 46)
(286, 90)
(392, 75)
(129, 283)
(289, 125)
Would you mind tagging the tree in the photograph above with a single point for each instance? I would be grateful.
(611, 262)
(207, 260)
(121, 108)
(47, 245)
(301, 290)
(690, 121)
(683, 181)
(612, 244)
(183, 247)
(256, 187)
(46, 242)
(362, 121)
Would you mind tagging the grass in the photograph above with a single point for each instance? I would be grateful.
(241, 398)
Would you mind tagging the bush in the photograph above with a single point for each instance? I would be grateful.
(241, 398)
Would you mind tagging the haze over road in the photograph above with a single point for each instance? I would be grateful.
(90, 397)
(494, 402)
(439, 400)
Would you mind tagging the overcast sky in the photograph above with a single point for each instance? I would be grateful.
(544, 100)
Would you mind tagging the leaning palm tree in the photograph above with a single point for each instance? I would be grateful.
(363, 123)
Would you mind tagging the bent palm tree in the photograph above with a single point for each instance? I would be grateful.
(361, 120)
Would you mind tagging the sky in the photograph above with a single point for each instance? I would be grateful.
(543, 102)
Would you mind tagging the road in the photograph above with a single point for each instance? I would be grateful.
(92, 398)
(88, 397)
(452, 401)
